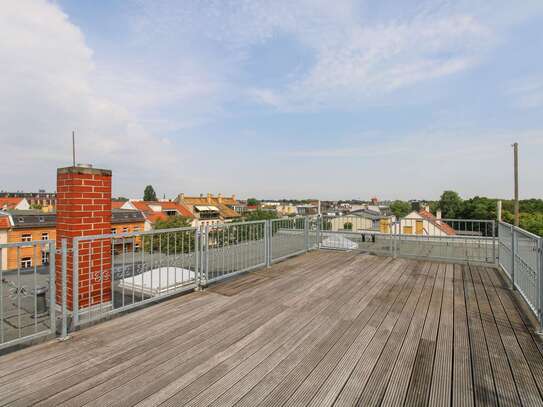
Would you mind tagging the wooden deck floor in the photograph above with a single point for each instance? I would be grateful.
(318, 330)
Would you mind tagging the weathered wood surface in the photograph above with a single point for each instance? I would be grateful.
(322, 329)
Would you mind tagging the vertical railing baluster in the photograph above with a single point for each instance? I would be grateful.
(52, 286)
(1, 295)
(64, 299)
(75, 283)
(513, 254)
(19, 290)
(35, 263)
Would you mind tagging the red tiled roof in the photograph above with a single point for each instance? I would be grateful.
(4, 222)
(9, 203)
(143, 206)
(153, 217)
(117, 204)
(438, 223)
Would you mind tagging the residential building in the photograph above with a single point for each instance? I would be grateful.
(26, 226)
(307, 209)
(32, 225)
(14, 203)
(423, 222)
(287, 210)
(154, 211)
(361, 220)
(209, 209)
(127, 221)
(41, 198)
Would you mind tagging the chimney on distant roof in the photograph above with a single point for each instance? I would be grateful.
(233, 197)
(438, 214)
(208, 198)
(219, 197)
(182, 196)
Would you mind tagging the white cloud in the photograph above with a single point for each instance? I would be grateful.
(48, 88)
(372, 61)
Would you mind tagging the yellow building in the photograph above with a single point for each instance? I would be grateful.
(27, 226)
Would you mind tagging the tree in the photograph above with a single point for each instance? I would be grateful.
(252, 202)
(260, 215)
(149, 194)
(36, 206)
(170, 243)
(450, 204)
(400, 208)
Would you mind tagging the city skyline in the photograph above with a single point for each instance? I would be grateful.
(275, 99)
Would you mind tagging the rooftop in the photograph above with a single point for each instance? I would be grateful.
(376, 331)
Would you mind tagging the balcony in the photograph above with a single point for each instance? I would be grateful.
(322, 327)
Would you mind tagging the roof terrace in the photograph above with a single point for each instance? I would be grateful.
(323, 328)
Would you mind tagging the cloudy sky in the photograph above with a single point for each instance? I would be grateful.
(277, 98)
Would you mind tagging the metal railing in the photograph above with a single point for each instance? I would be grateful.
(455, 240)
(116, 272)
(288, 237)
(233, 248)
(521, 259)
(27, 292)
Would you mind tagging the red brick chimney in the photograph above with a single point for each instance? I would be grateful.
(84, 209)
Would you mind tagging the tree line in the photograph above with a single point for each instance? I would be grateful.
(452, 206)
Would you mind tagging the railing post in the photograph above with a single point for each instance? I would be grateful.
(540, 284)
(513, 256)
(494, 238)
(306, 233)
(52, 286)
(197, 266)
(318, 232)
(269, 225)
(75, 283)
(64, 294)
(206, 259)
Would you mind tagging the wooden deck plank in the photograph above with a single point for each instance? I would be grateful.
(377, 382)
(398, 383)
(527, 389)
(527, 341)
(314, 381)
(503, 378)
(419, 386)
(271, 380)
(147, 382)
(440, 390)
(483, 377)
(462, 380)
(215, 382)
(120, 367)
(372, 314)
(320, 329)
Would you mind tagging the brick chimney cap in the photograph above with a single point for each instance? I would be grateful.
(84, 170)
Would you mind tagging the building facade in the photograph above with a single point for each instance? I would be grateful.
(210, 209)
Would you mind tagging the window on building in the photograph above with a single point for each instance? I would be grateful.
(136, 228)
(26, 262)
(125, 230)
(26, 237)
(45, 236)
(136, 247)
(113, 231)
(44, 257)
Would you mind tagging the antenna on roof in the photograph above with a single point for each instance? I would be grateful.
(73, 147)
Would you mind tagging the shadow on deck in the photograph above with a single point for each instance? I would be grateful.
(324, 328)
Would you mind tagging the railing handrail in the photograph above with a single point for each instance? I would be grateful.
(519, 229)
(132, 234)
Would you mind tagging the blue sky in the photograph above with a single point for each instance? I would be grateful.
(349, 99)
